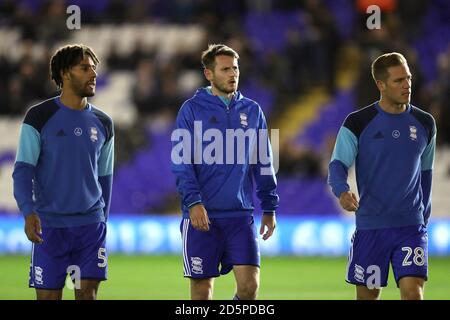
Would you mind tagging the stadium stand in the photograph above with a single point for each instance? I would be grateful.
(306, 62)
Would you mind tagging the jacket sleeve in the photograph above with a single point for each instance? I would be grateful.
(343, 157)
(427, 163)
(105, 171)
(24, 168)
(182, 157)
(263, 170)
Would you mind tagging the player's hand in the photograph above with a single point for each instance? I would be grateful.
(269, 222)
(348, 201)
(199, 217)
(33, 228)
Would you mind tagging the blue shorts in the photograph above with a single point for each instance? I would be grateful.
(371, 252)
(229, 242)
(64, 249)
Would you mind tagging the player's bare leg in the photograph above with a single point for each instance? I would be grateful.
(42, 294)
(88, 290)
(202, 289)
(411, 288)
(364, 293)
(247, 280)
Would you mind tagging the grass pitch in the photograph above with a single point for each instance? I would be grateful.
(161, 277)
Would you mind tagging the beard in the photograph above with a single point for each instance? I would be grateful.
(224, 87)
(82, 90)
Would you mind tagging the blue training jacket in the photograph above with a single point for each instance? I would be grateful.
(64, 164)
(222, 179)
(394, 155)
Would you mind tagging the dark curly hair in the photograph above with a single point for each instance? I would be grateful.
(67, 57)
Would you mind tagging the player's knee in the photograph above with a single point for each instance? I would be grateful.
(248, 290)
(205, 294)
(411, 288)
(412, 294)
(88, 290)
(48, 294)
(364, 293)
(86, 294)
(201, 289)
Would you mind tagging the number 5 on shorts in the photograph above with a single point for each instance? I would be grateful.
(102, 257)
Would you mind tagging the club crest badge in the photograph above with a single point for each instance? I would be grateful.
(243, 118)
(94, 134)
(413, 133)
(197, 265)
